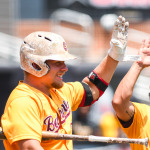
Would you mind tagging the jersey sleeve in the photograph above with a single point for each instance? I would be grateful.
(140, 119)
(75, 92)
(21, 120)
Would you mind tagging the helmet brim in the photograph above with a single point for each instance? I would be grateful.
(60, 57)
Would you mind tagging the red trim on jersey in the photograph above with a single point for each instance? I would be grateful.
(83, 100)
(84, 96)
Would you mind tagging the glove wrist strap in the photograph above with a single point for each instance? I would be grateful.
(115, 56)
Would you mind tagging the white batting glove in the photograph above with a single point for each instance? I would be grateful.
(118, 42)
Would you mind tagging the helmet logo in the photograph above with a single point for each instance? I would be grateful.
(65, 46)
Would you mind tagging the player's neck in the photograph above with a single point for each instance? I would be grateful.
(35, 82)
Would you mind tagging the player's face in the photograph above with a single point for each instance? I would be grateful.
(55, 75)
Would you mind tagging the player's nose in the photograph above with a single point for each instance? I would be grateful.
(64, 67)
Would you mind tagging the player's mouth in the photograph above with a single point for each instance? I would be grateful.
(59, 76)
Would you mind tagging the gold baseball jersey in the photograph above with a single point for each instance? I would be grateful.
(28, 112)
(140, 127)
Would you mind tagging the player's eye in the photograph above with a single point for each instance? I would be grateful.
(58, 63)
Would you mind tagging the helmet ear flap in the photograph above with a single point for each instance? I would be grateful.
(35, 66)
(47, 66)
(37, 70)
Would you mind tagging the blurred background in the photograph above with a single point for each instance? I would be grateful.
(86, 25)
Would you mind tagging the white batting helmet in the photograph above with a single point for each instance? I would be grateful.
(39, 47)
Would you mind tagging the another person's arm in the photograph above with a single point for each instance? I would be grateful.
(121, 102)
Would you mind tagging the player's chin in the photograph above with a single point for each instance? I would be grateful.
(58, 85)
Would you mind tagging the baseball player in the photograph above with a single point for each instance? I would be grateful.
(42, 101)
(133, 117)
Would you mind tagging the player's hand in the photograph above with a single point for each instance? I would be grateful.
(118, 42)
(145, 54)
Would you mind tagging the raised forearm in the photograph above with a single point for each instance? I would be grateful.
(121, 101)
(106, 68)
(125, 88)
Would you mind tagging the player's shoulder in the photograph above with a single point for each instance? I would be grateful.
(141, 108)
(24, 94)
(22, 90)
(71, 85)
(75, 83)
(141, 105)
